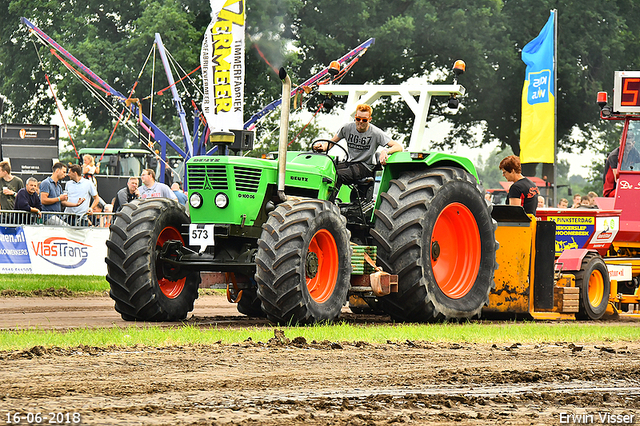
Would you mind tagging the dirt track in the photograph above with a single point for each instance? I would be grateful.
(289, 381)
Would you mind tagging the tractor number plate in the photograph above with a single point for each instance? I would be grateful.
(201, 235)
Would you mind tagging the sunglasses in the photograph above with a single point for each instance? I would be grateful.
(364, 120)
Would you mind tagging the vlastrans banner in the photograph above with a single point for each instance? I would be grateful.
(53, 250)
(222, 61)
(537, 131)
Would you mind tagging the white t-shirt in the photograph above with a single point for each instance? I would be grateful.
(158, 190)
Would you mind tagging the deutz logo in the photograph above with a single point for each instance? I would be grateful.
(300, 178)
(207, 184)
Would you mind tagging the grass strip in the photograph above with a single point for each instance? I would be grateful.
(21, 283)
(475, 332)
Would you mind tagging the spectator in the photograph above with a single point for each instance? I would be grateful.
(106, 219)
(89, 168)
(576, 201)
(51, 195)
(10, 186)
(586, 204)
(79, 190)
(27, 198)
(126, 194)
(563, 203)
(153, 189)
(98, 218)
(182, 198)
(541, 203)
(592, 198)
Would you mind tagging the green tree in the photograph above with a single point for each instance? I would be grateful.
(418, 38)
(488, 170)
(414, 38)
(112, 38)
(301, 134)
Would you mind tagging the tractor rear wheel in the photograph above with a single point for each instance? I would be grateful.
(595, 286)
(145, 288)
(434, 229)
(303, 264)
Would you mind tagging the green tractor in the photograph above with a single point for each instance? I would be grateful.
(296, 257)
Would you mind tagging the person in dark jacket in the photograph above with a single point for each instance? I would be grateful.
(28, 199)
(126, 194)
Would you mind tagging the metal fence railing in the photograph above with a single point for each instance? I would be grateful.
(19, 217)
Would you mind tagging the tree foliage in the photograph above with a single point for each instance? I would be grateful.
(414, 39)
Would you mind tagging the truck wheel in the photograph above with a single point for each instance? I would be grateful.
(143, 287)
(595, 286)
(303, 264)
(434, 229)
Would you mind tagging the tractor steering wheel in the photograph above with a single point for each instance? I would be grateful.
(329, 146)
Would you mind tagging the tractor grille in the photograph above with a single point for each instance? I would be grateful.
(207, 176)
(247, 179)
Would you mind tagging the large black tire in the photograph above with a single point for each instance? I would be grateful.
(138, 279)
(593, 281)
(441, 275)
(303, 264)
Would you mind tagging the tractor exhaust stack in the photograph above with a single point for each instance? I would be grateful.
(284, 132)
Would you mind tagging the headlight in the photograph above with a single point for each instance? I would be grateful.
(195, 200)
(222, 200)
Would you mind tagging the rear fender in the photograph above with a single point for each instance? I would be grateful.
(401, 162)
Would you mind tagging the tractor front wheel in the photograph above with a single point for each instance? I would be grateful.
(303, 264)
(143, 286)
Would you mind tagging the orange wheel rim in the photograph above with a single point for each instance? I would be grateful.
(322, 266)
(171, 289)
(596, 288)
(455, 250)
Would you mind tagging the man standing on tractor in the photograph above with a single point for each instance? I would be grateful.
(523, 192)
(363, 139)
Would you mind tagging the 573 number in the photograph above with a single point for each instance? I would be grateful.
(199, 234)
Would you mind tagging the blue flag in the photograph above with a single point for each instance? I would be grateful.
(537, 131)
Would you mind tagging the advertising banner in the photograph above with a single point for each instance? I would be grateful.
(584, 231)
(222, 61)
(572, 232)
(53, 250)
